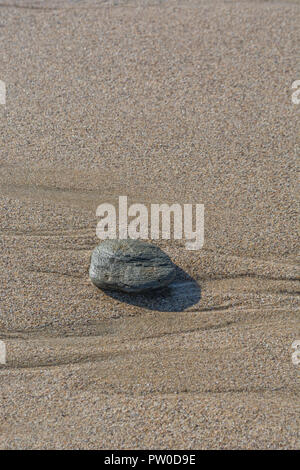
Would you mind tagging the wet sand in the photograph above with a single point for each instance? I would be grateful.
(162, 101)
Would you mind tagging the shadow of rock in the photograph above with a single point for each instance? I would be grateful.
(182, 293)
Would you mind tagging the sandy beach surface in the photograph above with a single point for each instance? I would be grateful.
(162, 101)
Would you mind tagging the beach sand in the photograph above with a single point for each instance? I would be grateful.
(162, 101)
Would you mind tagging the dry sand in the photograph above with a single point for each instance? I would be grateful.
(163, 101)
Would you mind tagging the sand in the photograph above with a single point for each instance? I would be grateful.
(162, 101)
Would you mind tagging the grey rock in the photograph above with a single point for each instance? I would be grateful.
(130, 266)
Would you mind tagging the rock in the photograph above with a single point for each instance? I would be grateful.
(130, 266)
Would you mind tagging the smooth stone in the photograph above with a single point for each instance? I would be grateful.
(130, 266)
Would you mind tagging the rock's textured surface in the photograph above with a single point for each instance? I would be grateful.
(130, 266)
